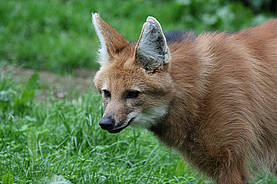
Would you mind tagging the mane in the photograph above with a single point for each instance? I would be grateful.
(178, 35)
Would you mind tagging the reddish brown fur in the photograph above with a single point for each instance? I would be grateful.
(222, 90)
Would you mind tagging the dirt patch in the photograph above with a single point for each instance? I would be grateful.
(61, 86)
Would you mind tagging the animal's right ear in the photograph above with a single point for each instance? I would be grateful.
(151, 50)
(111, 40)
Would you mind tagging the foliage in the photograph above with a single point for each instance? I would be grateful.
(9, 99)
(261, 5)
(7, 179)
(57, 35)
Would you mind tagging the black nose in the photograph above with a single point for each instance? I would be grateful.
(107, 123)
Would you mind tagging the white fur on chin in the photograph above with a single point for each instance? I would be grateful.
(148, 118)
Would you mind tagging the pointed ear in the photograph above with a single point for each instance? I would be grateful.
(111, 41)
(151, 50)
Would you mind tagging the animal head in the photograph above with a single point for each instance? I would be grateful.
(134, 78)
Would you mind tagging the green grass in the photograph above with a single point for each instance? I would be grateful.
(58, 35)
(59, 139)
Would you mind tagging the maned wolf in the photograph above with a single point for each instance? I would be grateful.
(212, 97)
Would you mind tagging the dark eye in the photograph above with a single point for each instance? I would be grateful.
(106, 93)
(132, 94)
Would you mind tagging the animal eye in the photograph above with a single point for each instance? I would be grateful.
(106, 93)
(132, 94)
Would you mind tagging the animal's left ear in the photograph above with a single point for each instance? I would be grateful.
(151, 50)
(111, 40)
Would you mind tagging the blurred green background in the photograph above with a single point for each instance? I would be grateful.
(57, 35)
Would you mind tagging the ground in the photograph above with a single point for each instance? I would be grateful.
(60, 86)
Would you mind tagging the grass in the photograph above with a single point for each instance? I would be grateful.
(60, 140)
(57, 35)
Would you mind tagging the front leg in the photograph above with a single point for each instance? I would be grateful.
(232, 171)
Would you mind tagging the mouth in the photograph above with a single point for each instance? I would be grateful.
(118, 129)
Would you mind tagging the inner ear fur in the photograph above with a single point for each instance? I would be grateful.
(151, 50)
